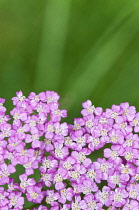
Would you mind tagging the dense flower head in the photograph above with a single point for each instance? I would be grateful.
(52, 164)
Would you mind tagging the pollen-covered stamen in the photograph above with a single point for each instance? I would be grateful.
(58, 131)
(46, 164)
(74, 174)
(81, 140)
(32, 123)
(24, 184)
(114, 138)
(103, 120)
(123, 125)
(50, 199)
(115, 179)
(33, 195)
(129, 142)
(91, 174)
(81, 156)
(58, 178)
(76, 127)
(125, 170)
(23, 152)
(5, 173)
(104, 196)
(136, 177)
(27, 165)
(21, 98)
(67, 165)
(89, 124)
(87, 190)
(39, 108)
(14, 144)
(50, 128)
(104, 168)
(13, 201)
(6, 133)
(35, 137)
(47, 141)
(133, 193)
(92, 205)
(129, 206)
(114, 115)
(64, 192)
(76, 206)
(114, 154)
(37, 153)
(91, 109)
(118, 197)
(126, 112)
(11, 187)
(104, 132)
(1, 119)
(135, 122)
(58, 152)
(49, 100)
(95, 141)
(16, 116)
(45, 177)
(20, 130)
(1, 197)
(57, 112)
(68, 141)
(128, 155)
(36, 98)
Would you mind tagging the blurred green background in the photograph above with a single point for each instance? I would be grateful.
(83, 49)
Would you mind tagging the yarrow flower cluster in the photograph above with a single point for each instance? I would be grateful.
(34, 137)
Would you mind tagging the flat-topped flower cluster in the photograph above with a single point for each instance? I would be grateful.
(34, 137)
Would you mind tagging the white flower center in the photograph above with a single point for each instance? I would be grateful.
(64, 192)
(135, 122)
(34, 195)
(59, 152)
(87, 190)
(115, 179)
(114, 138)
(49, 199)
(129, 142)
(103, 168)
(76, 206)
(133, 193)
(58, 178)
(104, 132)
(114, 115)
(76, 127)
(13, 201)
(103, 120)
(114, 154)
(81, 156)
(91, 205)
(24, 184)
(46, 164)
(81, 140)
(67, 165)
(74, 174)
(91, 109)
(104, 196)
(1, 197)
(118, 197)
(128, 156)
(89, 124)
(91, 174)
